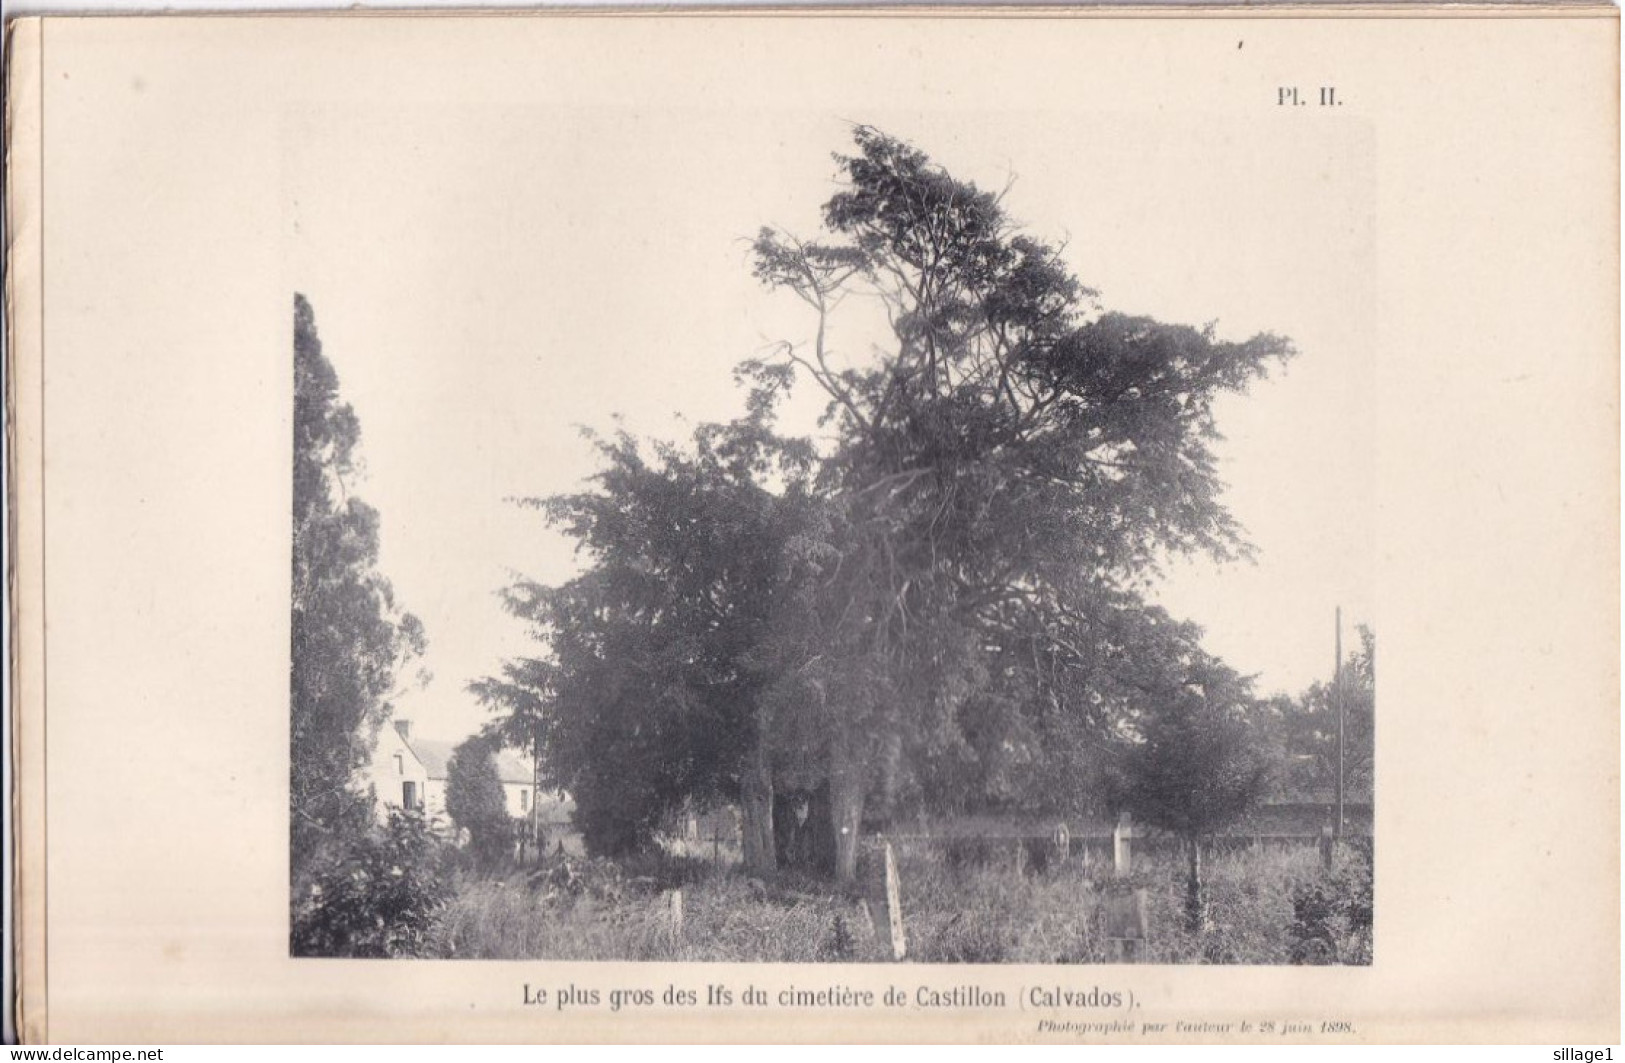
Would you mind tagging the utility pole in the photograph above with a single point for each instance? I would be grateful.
(1337, 700)
(536, 792)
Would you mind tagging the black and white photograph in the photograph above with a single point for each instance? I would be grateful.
(815, 526)
(741, 537)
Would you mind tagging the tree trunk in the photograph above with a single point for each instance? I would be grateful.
(1195, 901)
(801, 830)
(535, 792)
(845, 809)
(756, 815)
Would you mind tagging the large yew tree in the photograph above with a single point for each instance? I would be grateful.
(652, 697)
(943, 600)
(1008, 471)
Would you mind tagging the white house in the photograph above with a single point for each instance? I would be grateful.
(410, 772)
(398, 776)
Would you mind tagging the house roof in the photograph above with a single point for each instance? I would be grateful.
(435, 755)
(514, 768)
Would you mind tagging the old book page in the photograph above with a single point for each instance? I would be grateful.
(326, 294)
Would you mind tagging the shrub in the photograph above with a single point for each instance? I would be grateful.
(1331, 917)
(595, 878)
(476, 802)
(375, 896)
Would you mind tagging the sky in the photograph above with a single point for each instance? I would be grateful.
(489, 279)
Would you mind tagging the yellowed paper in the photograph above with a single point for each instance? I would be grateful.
(1443, 228)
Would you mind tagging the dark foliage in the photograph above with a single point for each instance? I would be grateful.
(1308, 727)
(1194, 764)
(375, 896)
(350, 640)
(940, 608)
(1332, 915)
(653, 696)
(476, 802)
(801, 830)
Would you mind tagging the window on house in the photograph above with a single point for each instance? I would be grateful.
(400, 765)
(524, 800)
(409, 795)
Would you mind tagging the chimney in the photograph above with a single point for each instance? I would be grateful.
(404, 729)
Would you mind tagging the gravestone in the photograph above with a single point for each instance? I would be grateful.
(1123, 845)
(1063, 845)
(1127, 923)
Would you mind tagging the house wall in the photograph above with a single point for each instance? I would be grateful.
(394, 764)
(518, 795)
(435, 799)
(387, 777)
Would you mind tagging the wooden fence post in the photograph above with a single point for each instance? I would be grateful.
(894, 906)
(1326, 848)
(1122, 845)
(676, 915)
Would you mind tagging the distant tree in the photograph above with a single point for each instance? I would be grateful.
(351, 641)
(476, 802)
(1310, 727)
(1196, 761)
(522, 697)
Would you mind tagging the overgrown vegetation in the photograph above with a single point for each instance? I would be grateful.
(378, 895)
(357, 888)
(476, 802)
(975, 912)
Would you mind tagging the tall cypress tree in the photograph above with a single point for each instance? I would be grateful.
(350, 639)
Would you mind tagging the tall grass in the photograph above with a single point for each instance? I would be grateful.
(957, 909)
